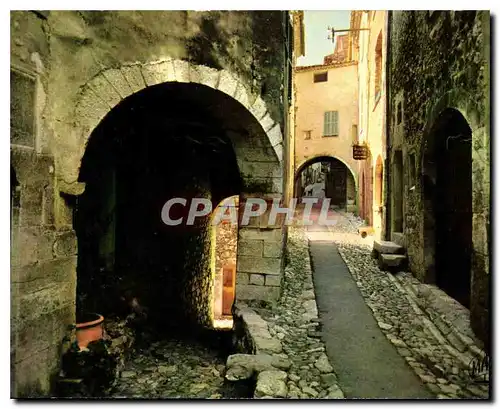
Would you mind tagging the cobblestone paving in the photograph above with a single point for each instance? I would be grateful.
(294, 322)
(437, 366)
(170, 369)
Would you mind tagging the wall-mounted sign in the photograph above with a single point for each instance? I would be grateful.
(360, 152)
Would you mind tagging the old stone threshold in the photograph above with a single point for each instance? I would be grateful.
(258, 360)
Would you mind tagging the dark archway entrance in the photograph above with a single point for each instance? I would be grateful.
(326, 176)
(167, 141)
(447, 182)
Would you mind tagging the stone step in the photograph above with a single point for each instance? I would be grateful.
(398, 238)
(387, 247)
(392, 262)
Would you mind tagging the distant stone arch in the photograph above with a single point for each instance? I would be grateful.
(350, 178)
(318, 158)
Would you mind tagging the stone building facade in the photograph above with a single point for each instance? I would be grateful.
(91, 94)
(368, 44)
(322, 90)
(439, 151)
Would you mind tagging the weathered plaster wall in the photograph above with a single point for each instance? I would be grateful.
(339, 93)
(371, 110)
(84, 64)
(440, 60)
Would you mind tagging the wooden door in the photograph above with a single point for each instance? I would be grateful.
(228, 280)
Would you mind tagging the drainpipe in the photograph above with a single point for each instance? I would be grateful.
(388, 139)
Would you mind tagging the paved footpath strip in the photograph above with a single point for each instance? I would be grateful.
(366, 363)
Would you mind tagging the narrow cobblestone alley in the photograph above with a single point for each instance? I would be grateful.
(250, 204)
(366, 364)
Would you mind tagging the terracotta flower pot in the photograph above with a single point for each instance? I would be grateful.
(89, 327)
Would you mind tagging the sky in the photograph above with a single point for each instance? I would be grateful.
(316, 32)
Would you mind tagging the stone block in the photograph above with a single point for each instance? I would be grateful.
(31, 206)
(118, 81)
(258, 108)
(260, 265)
(398, 238)
(65, 244)
(275, 136)
(250, 247)
(102, 87)
(264, 344)
(208, 76)
(182, 71)
(227, 83)
(158, 72)
(241, 95)
(272, 249)
(260, 234)
(244, 366)
(392, 262)
(267, 123)
(242, 278)
(278, 149)
(256, 279)
(387, 247)
(33, 277)
(133, 76)
(33, 375)
(273, 281)
(32, 245)
(257, 292)
(272, 384)
(46, 300)
(90, 110)
(42, 332)
(311, 310)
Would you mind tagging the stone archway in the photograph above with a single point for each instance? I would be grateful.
(111, 86)
(461, 102)
(447, 191)
(247, 160)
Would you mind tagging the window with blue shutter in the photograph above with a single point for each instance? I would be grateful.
(331, 124)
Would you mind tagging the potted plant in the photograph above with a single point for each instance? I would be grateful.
(89, 327)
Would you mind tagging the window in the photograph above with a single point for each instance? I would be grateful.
(331, 124)
(22, 104)
(378, 67)
(321, 77)
(307, 135)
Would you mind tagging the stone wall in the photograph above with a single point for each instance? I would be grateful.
(259, 268)
(77, 66)
(439, 60)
